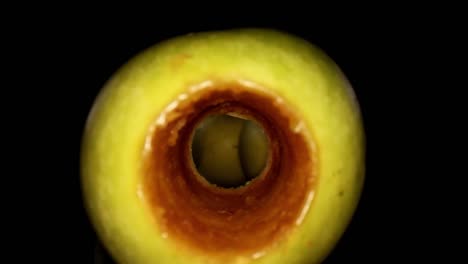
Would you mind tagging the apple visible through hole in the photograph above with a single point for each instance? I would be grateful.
(235, 146)
(229, 150)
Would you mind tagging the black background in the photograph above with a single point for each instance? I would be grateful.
(380, 54)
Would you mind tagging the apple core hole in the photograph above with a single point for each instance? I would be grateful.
(209, 215)
(229, 150)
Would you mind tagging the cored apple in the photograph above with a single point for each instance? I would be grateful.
(235, 146)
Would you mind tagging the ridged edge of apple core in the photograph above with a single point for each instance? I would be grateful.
(212, 220)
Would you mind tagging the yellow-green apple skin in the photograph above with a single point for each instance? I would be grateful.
(298, 72)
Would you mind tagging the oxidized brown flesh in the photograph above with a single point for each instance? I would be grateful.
(212, 219)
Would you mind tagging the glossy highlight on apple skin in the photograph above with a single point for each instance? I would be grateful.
(222, 221)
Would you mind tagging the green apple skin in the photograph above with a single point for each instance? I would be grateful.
(301, 74)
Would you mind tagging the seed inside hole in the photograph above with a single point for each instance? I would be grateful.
(229, 150)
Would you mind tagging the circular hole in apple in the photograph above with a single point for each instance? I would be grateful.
(229, 150)
(221, 220)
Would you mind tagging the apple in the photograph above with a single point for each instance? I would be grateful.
(215, 150)
(229, 151)
(234, 146)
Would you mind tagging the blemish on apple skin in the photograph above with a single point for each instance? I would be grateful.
(179, 60)
(338, 173)
(341, 193)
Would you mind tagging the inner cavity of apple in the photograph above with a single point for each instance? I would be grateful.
(250, 213)
(229, 150)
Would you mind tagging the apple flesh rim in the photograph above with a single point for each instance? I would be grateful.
(143, 192)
